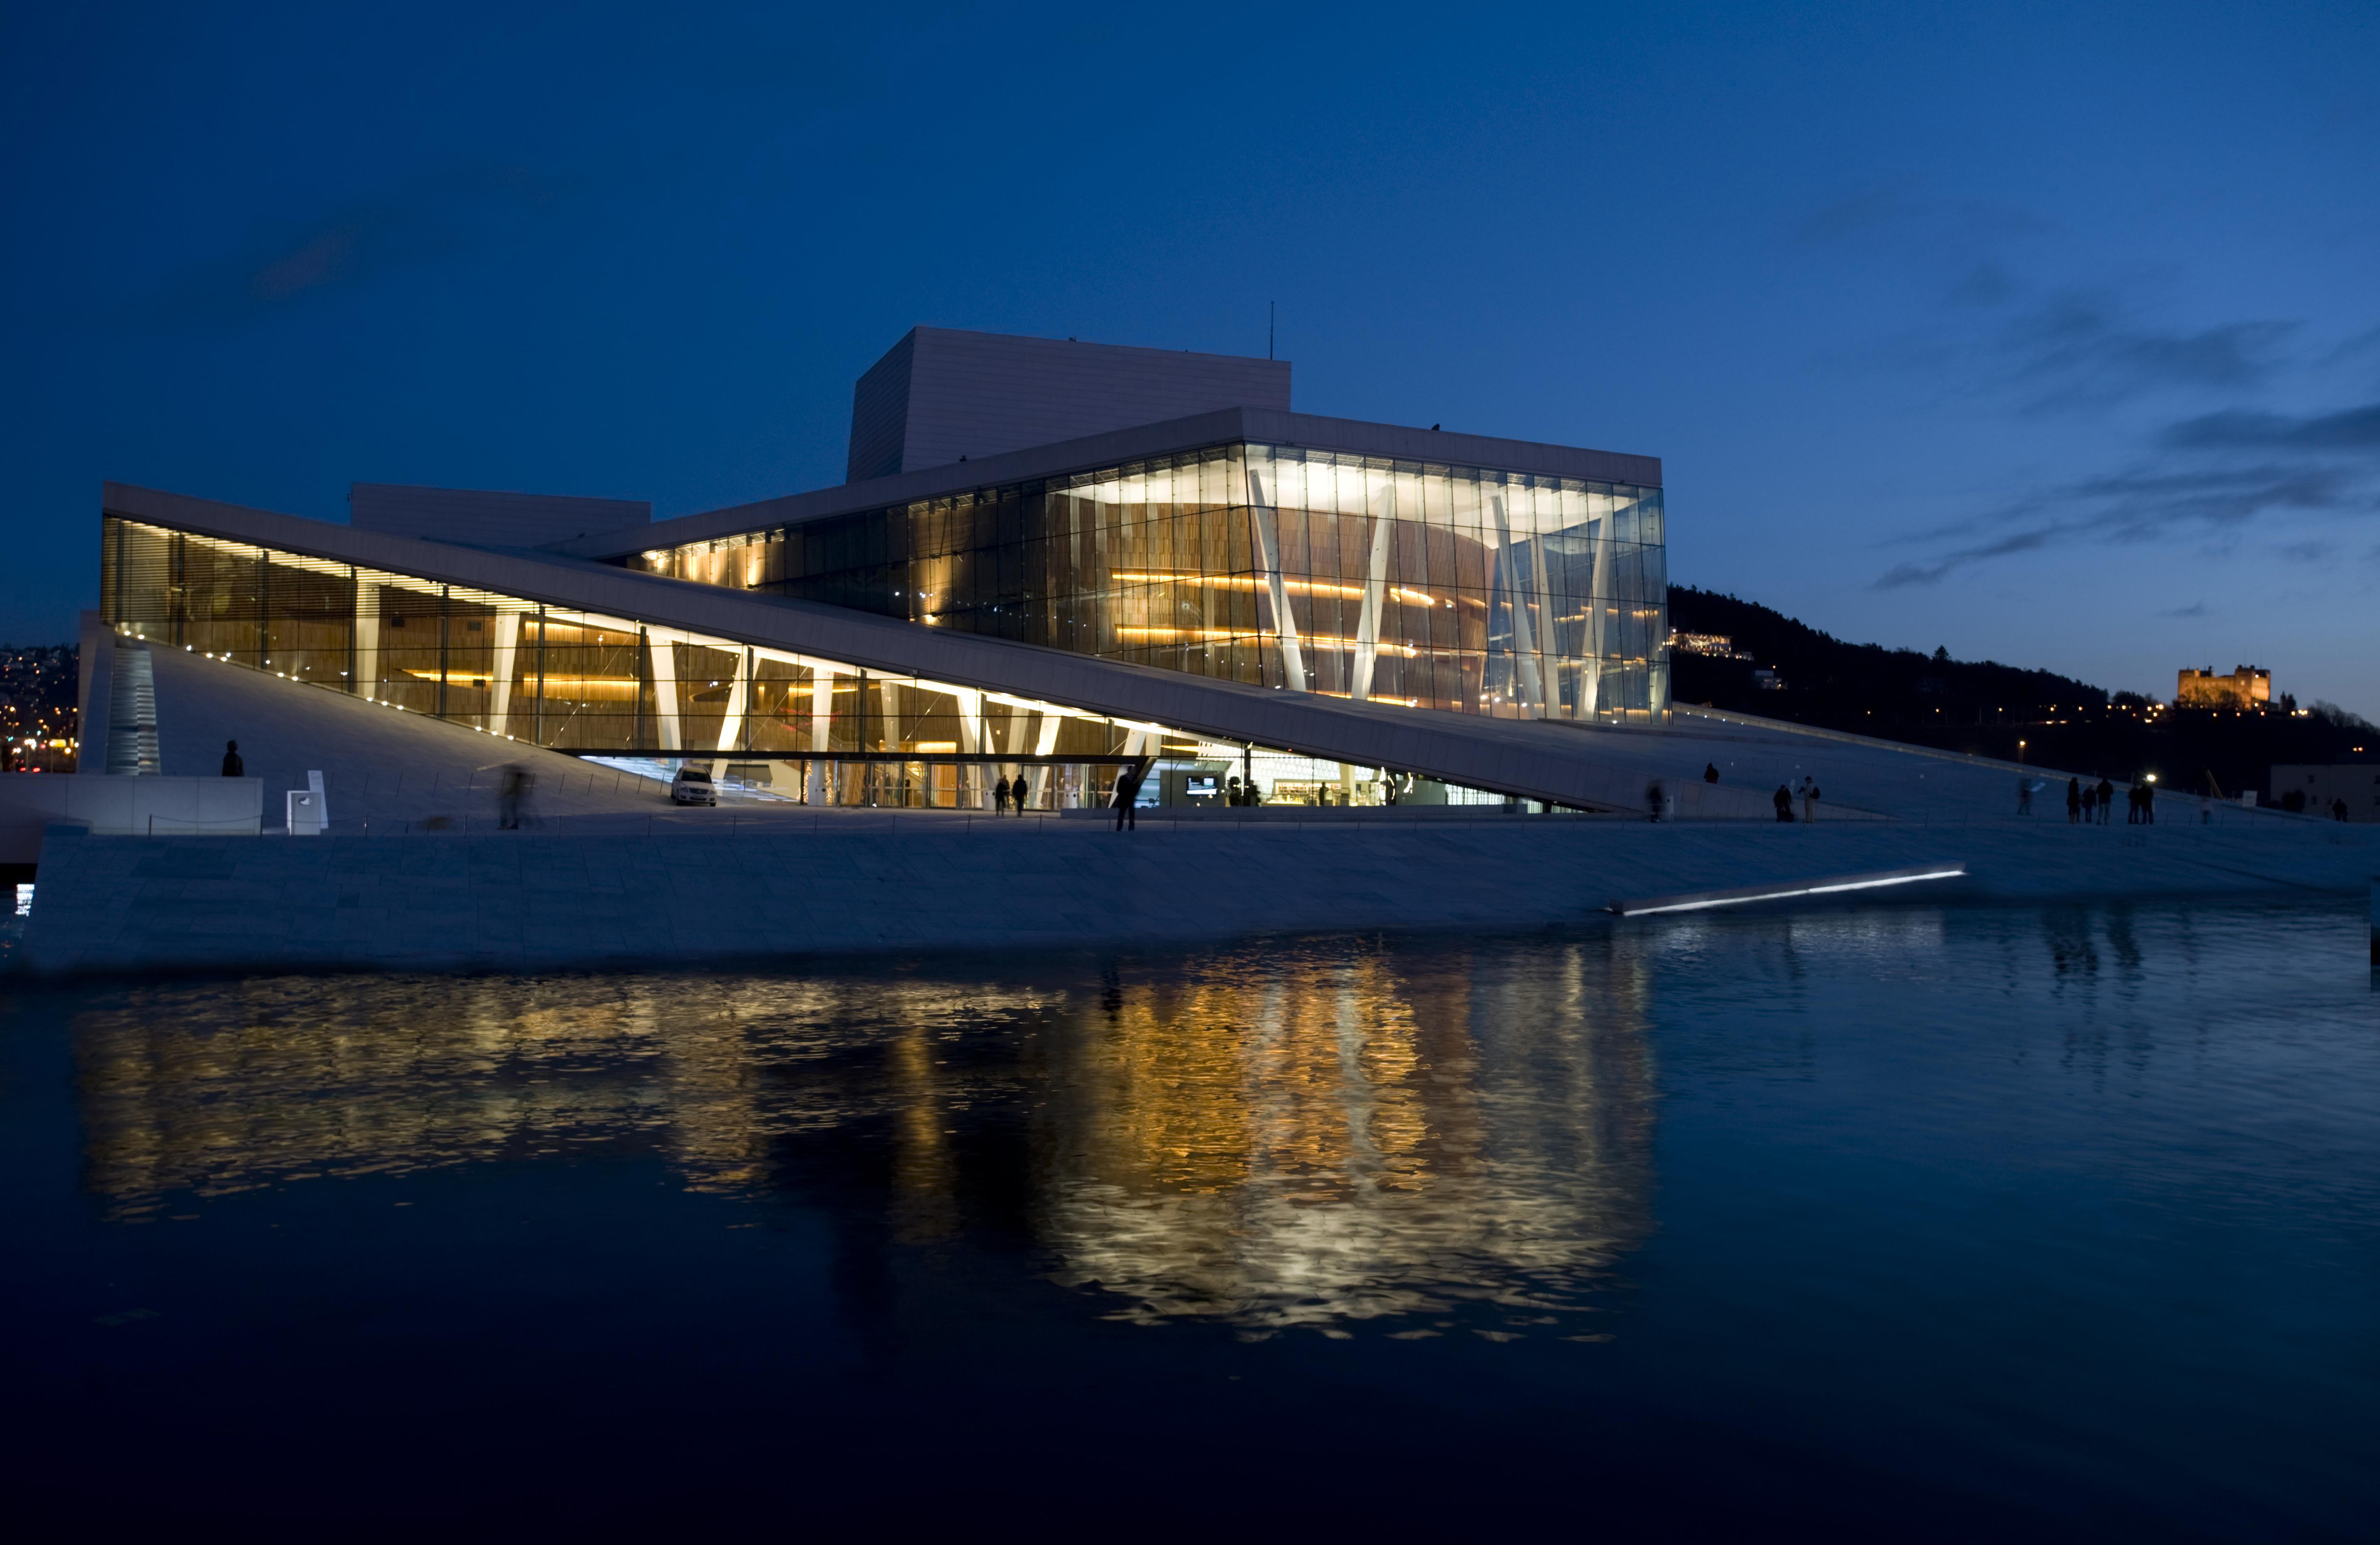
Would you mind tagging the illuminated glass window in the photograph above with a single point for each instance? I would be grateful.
(1465, 590)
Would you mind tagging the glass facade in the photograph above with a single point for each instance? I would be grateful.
(1460, 588)
(797, 727)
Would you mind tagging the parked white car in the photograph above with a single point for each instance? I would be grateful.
(693, 786)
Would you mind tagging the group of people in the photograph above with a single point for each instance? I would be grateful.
(2094, 804)
(1809, 794)
(1807, 791)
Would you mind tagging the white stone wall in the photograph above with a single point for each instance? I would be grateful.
(872, 884)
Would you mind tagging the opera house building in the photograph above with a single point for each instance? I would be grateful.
(1051, 559)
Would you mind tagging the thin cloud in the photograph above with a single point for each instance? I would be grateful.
(2195, 609)
(1860, 212)
(1902, 205)
(2361, 343)
(1987, 284)
(2137, 507)
(2353, 428)
(2082, 347)
(429, 218)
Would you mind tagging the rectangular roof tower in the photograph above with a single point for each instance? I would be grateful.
(940, 394)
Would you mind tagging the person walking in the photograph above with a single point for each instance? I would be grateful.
(233, 766)
(1127, 798)
(2073, 801)
(1783, 800)
(2023, 794)
(512, 798)
(2338, 810)
(1655, 796)
(2107, 801)
(1000, 796)
(1710, 771)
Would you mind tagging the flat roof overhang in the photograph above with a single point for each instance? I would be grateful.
(1171, 437)
(1552, 761)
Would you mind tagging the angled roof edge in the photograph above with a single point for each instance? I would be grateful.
(1394, 442)
(1555, 763)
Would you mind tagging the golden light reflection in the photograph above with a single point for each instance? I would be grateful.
(1280, 1137)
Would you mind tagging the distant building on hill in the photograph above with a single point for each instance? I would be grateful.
(2244, 687)
(1718, 646)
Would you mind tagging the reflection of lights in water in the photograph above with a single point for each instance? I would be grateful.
(1912, 932)
(1333, 1140)
(1302, 1135)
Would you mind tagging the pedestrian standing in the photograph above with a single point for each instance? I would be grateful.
(2023, 794)
(2148, 803)
(2107, 801)
(2090, 804)
(1022, 791)
(1000, 796)
(1783, 800)
(2073, 801)
(233, 766)
(1809, 799)
(1710, 771)
(1655, 796)
(1127, 798)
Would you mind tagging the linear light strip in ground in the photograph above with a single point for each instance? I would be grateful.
(1824, 888)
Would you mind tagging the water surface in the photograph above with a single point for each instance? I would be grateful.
(1867, 1221)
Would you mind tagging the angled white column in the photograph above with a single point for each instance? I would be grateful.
(1549, 641)
(1283, 624)
(367, 682)
(1376, 585)
(821, 722)
(970, 744)
(665, 657)
(1042, 747)
(500, 686)
(739, 696)
(1599, 586)
(1524, 651)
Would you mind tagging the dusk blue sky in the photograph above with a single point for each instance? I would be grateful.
(2047, 334)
